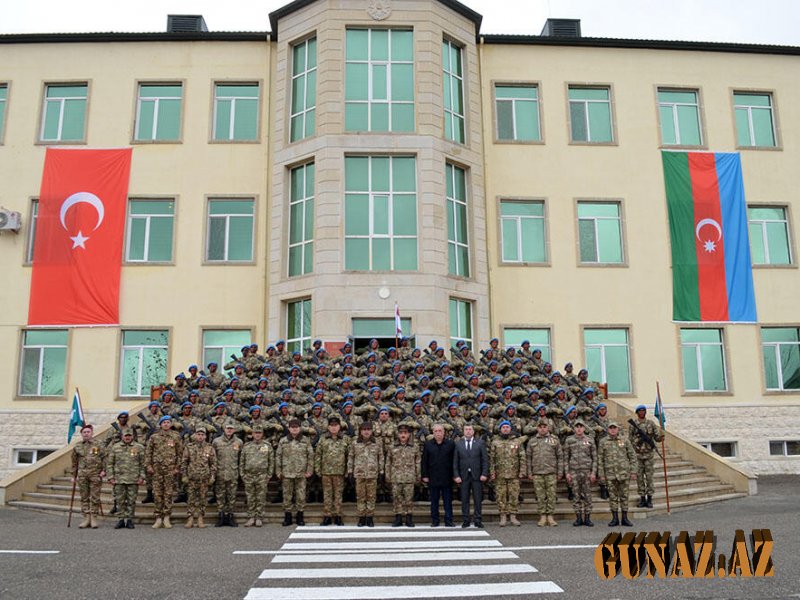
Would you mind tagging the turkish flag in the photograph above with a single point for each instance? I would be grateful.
(77, 255)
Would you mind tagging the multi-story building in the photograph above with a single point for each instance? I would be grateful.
(298, 183)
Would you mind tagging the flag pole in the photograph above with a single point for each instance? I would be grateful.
(663, 446)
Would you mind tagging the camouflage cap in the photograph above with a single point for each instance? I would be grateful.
(403, 427)
(613, 424)
(579, 422)
(334, 419)
(230, 424)
(294, 423)
(258, 428)
(127, 431)
(365, 425)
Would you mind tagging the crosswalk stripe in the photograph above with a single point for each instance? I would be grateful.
(407, 533)
(383, 572)
(383, 545)
(395, 557)
(473, 590)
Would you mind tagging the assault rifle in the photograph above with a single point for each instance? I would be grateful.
(645, 437)
(150, 428)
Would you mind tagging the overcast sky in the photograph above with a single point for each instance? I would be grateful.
(750, 21)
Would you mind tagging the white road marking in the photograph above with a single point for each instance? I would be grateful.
(384, 545)
(383, 572)
(412, 591)
(30, 551)
(564, 547)
(394, 557)
(407, 533)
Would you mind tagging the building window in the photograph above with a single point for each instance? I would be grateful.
(454, 120)
(460, 321)
(724, 449)
(301, 220)
(755, 122)
(539, 338)
(24, 457)
(600, 232)
(150, 224)
(784, 448)
(703, 359)
(144, 361)
(608, 357)
(379, 80)
(769, 235)
(235, 112)
(158, 112)
(590, 114)
(522, 226)
(680, 118)
(457, 223)
(44, 362)
(298, 325)
(781, 349)
(230, 230)
(64, 115)
(32, 231)
(220, 344)
(517, 108)
(380, 213)
(304, 90)
(3, 102)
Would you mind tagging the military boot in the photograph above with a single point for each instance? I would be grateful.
(232, 520)
(182, 497)
(93, 521)
(362, 521)
(542, 521)
(551, 521)
(649, 503)
(614, 519)
(250, 522)
(603, 491)
(587, 521)
(570, 493)
(120, 524)
(642, 501)
(514, 521)
(299, 518)
(113, 510)
(502, 519)
(338, 521)
(158, 524)
(129, 524)
(287, 519)
(624, 521)
(326, 521)
(189, 522)
(148, 497)
(409, 520)
(167, 524)
(220, 520)
(370, 522)
(578, 520)
(279, 498)
(200, 522)
(398, 520)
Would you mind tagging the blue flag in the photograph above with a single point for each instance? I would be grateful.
(76, 418)
(658, 413)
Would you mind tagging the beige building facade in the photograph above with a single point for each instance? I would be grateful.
(298, 183)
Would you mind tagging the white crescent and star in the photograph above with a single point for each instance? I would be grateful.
(79, 241)
(709, 245)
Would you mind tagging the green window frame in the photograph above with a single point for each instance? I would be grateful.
(457, 221)
(236, 112)
(158, 112)
(64, 112)
(703, 360)
(517, 112)
(3, 104)
(150, 231)
(590, 114)
(539, 337)
(298, 325)
(303, 111)
(600, 233)
(143, 361)
(460, 321)
(379, 80)
(608, 357)
(679, 111)
(781, 351)
(454, 112)
(32, 231)
(301, 220)
(755, 120)
(230, 230)
(219, 344)
(769, 235)
(522, 226)
(380, 213)
(44, 362)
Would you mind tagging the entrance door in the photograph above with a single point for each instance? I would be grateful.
(382, 330)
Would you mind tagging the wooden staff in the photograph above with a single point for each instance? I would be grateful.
(663, 446)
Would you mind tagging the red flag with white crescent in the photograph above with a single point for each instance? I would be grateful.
(77, 255)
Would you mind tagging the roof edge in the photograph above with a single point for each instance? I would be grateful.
(194, 36)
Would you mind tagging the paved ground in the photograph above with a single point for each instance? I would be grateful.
(219, 563)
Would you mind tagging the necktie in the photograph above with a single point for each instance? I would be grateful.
(469, 445)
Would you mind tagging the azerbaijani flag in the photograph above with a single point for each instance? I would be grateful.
(712, 276)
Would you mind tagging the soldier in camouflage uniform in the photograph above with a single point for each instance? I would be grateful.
(506, 467)
(365, 463)
(114, 434)
(162, 458)
(330, 465)
(616, 464)
(294, 464)
(198, 470)
(545, 466)
(256, 464)
(403, 470)
(88, 470)
(125, 465)
(644, 454)
(581, 469)
(227, 447)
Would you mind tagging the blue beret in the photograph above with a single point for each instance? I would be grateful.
(384, 409)
(400, 390)
(601, 405)
(569, 410)
(154, 403)
(227, 391)
(187, 403)
(218, 404)
(123, 412)
(167, 393)
(211, 363)
(416, 402)
(191, 367)
(504, 422)
(532, 391)
(165, 418)
(254, 407)
(283, 404)
(426, 393)
(279, 342)
(348, 403)
(640, 407)
(316, 405)
(482, 405)
(540, 407)
(452, 405)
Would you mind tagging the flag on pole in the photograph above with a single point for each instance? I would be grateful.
(658, 413)
(76, 420)
(398, 326)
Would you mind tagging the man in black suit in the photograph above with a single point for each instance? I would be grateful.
(471, 469)
(437, 472)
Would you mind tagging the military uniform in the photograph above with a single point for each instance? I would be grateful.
(506, 466)
(365, 462)
(125, 466)
(88, 463)
(256, 464)
(644, 456)
(198, 469)
(294, 459)
(581, 468)
(616, 463)
(403, 470)
(330, 464)
(545, 465)
(227, 480)
(163, 455)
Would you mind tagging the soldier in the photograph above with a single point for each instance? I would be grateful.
(643, 435)
(403, 470)
(545, 466)
(114, 434)
(227, 447)
(506, 467)
(616, 464)
(88, 470)
(330, 464)
(581, 470)
(126, 474)
(216, 380)
(294, 464)
(365, 463)
(256, 464)
(198, 470)
(163, 455)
